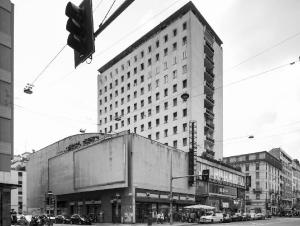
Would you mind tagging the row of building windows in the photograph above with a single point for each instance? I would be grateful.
(142, 92)
(157, 45)
(143, 116)
(142, 77)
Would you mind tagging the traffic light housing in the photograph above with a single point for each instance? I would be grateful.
(205, 175)
(81, 27)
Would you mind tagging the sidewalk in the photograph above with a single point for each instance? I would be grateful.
(137, 224)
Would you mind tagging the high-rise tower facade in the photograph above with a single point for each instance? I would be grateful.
(168, 78)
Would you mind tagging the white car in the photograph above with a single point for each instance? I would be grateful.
(213, 217)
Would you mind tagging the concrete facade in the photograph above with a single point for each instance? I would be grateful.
(141, 88)
(265, 172)
(19, 195)
(296, 184)
(111, 178)
(286, 178)
(6, 106)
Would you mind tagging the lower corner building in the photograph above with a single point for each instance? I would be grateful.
(122, 178)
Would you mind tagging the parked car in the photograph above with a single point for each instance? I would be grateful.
(212, 217)
(236, 217)
(77, 219)
(21, 220)
(226, 218)
(252, 216)
(61, 219)
(259, 216)
(246, 217)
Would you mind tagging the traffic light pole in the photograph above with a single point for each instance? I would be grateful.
(113, 17)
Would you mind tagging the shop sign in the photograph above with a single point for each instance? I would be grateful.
(225, 204)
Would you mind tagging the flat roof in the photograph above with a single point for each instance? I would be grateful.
(183, 10)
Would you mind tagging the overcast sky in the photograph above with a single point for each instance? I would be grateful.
(257, 35)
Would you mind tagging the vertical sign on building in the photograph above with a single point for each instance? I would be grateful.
(192, 150)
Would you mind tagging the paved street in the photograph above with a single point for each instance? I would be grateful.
(274, 221)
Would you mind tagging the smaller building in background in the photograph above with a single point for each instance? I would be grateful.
(19, 176)
(264, 169)
(286, 179)
(296, 184)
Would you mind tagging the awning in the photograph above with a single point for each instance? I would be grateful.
(11, 186)
(199, 206)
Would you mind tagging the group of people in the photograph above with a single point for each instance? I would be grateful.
(189, 216)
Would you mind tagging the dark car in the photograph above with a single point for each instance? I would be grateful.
(236, 217)
(246, 217)
(227, 218)
(77, 219)
(61, 219)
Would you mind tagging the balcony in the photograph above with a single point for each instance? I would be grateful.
(208, 113)
(209, 76)
(209, 88)
(209, 153)
(209, 45)
(210, 124)
(208, 63)
(208, 103)
(208, 50)
(257, 190)
(210, 140)
(248, 202)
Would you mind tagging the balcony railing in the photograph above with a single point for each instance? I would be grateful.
(209, 76)
(210, 124)
(209, 113)
(208, 63)
(208, 50)
(257, 190)
(210, 139)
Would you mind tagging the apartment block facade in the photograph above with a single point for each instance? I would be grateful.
(296, 184)
(168, 78)
(6, 107)
(264, 194)
(286, 178)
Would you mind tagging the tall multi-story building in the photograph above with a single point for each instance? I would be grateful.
(168, 78)
(296, 184)
(286, 178)
(6, 107)
(265, 172)
(19, 176)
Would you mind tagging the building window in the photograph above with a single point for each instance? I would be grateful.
(149, 136)
(184, 55)
(174, 102)
(174, 60)
(166, 105)
(165, 51)
(174, 46)
(184, 112)
(184, 26)
(257, 175)
(149, 100)
(184, 142)
(257, 166)
(128, 86)
(166, 79)
(149, 87)
(174, 116)
(149, 49)
(122, 89)
(149, 125)
(184, 127)
(165, 132)
(184, 40)
(128, 98)
(142, 91)
(128, 74)
(175, 143)
(149, 61)
(157, 109)
(165, 92)
(135, 82)
(157, 122)
(157, 57)
(135, 58)
(184, 69)
(149, 112)
(135, 118)
(20, 174)
(166, 38)
(175, 130)
(135, 106)
(157, 96)
(142, 127)
(142, 103)
(135, 70)
(157, 135)
(184, 83)
(128, 121)
(128, 109)
(165, 119)
(257, 197)
(174, 88)
(142, 54)
(142, 66)
(165, 65)
(174, 73)
(174, 32)
(247, 167)
(157, 83)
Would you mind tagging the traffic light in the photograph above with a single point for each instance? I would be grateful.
(81, 27)
(205, 175)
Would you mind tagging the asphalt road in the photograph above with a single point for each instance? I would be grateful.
(278, 221)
